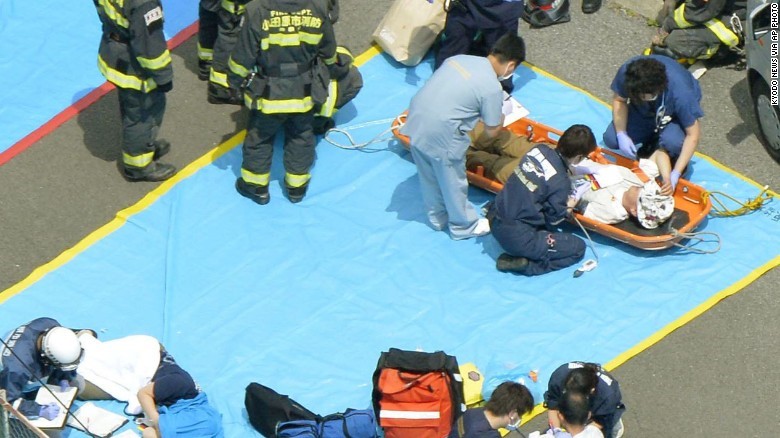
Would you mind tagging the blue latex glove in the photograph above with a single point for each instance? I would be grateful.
(580, 188)
(626, 145)
(64, 385)
(49, 411)
(674, 177)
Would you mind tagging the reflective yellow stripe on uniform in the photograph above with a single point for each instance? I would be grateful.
(205, 54)
(332, 60)
(155, 63)
(268, 106)
(724, 34)
(113, 14)
(679, 18)
(122, 80)
(218, 78)
(344, 51)
(237, 68)
(260, 179)
(287, 40)
(329, 107)
(142, 160)
(233, 7)
(294, 181)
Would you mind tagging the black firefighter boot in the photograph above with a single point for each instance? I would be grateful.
(255, 192)
(591, 6)
(204, 70)
(296, 194)
(155, 171)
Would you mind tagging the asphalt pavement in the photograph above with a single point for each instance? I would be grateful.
(711, 378)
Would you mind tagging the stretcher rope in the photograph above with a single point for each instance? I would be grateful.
(590, 244)
(353, 145)
(719, 209)
(695, 238)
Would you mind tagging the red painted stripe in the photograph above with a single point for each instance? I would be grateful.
(80, 105)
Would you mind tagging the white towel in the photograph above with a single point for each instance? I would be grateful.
(121, 366)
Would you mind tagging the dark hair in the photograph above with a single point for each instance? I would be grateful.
(583, 380)
(574, 407)
(508, 397)
(645, 76)
(577, 140)
(509, 47)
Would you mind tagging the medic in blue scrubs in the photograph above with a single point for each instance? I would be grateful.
(441, 115)
(656, 105)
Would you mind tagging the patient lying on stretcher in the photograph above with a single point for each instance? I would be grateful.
(608, 193)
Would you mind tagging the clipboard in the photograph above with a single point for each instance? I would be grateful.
(63, 398)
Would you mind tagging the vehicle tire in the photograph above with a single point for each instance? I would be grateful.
(768, 118)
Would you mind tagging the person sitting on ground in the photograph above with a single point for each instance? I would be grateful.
(41, 351)
(574, 414)
(498, 155)
(507, 404)
(137, 369)
(534, 200)
(700, 29)
(611, 193)
(602, 390)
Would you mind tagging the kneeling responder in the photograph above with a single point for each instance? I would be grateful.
(285, 79)
(133, 56)
(699, 29)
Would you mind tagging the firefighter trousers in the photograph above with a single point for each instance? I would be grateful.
(142, 115)
(227, 36)
(298, 142)
(546, 251)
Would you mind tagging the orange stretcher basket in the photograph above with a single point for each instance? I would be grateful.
(690, 206)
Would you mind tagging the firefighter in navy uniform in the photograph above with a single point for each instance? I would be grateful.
(133, 56)
(230, 16)
(699, 29)
(341, 90)
(286, 54)
(207, 36)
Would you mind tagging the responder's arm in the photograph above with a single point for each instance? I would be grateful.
(619, 113)
(692, 134)
(146, 399)
(244, 55)
(488, 133)
(148, 43)
(327, 51)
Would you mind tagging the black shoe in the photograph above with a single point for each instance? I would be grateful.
(161, 147)
(155, 171)
(508, 263)
(591, 6)
(221, 96)
(296, 194)
(204, 70)
(254, 192)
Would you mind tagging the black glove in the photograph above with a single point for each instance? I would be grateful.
(166, 87)
(29, 408)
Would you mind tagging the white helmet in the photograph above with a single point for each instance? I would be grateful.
(62, 348)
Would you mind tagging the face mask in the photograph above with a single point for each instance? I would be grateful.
(652, 98)
(513, 426)
(505, 75)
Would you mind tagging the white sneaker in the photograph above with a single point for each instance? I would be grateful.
(618, 430)
(698, 69)
(482, 228)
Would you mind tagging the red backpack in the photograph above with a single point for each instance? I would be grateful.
(417, 394)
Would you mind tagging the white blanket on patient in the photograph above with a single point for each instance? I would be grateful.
(121, 366)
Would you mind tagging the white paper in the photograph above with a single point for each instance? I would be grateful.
(97, 420)
(44, 397)
(513, 110)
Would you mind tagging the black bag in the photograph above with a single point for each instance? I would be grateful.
(266, 409)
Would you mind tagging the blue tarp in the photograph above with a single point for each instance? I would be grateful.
(48, 58)
(303, 298)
